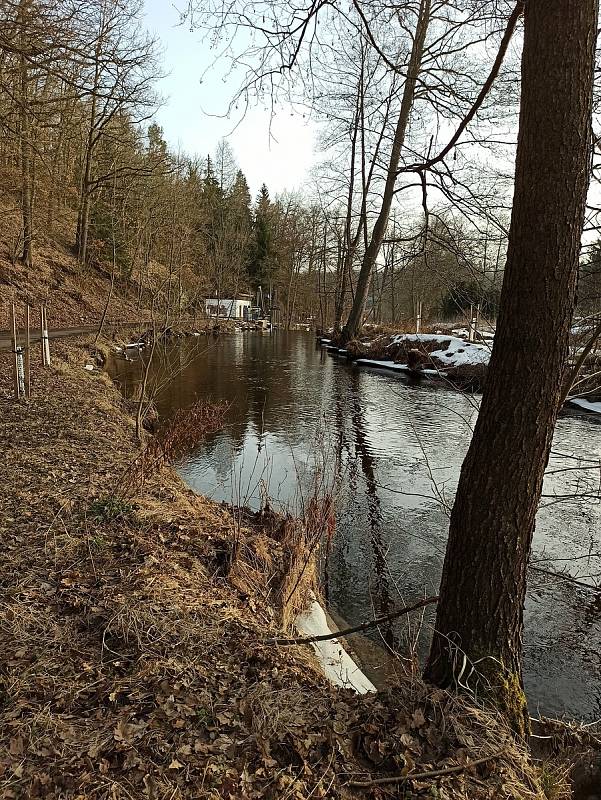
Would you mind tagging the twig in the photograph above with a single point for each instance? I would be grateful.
(496, 67)
(565, 577)
(357, 628)
(419, 776)
(586, 350)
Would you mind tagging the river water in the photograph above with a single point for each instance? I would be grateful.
(299, 416)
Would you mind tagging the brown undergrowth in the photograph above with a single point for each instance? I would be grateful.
(133, 630)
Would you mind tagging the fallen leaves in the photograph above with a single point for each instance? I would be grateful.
(133, 670)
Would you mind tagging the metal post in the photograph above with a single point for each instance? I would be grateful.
(14, 349)
(42, 336)
(418, 326)
(27, 354)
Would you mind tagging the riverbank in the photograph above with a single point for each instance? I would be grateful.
(134, 637)
(438, 356)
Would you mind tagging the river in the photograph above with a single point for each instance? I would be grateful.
(299, 416)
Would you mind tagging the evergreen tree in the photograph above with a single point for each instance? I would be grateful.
(262, 263)
(157, 146)
(240, 193)
(240, 223)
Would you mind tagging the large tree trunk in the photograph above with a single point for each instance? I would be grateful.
(480, 613)
(25, 137)
(346, 263)
(355, 319)
(83, 219)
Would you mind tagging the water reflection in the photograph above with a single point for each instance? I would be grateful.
(396, 449)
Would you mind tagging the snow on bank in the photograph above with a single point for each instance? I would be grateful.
(371, 362)
(392, 365)
(580, 402)
(458, 352)
(339, 668)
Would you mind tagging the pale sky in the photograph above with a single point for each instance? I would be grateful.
(187, 116)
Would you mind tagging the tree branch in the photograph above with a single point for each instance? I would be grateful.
(357, 628)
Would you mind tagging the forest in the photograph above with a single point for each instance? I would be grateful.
(334, 544)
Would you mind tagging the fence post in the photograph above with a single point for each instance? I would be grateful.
(42, 336)
(14, 349)
(27, 354)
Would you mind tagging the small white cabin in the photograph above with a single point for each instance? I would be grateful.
(229, 308)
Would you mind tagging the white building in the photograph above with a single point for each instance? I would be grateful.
(229, 308)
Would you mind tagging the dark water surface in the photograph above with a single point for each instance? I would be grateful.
(397, 447)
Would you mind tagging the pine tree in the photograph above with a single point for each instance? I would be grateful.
(262, 263)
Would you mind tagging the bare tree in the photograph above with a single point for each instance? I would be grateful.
(478, 635)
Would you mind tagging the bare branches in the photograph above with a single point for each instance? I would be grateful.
(496, 67)
(365, 626)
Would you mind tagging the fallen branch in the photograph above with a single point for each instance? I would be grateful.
(420, 776)
(357, 628)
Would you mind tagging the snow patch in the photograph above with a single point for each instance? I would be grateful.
(339, 668)
(458, 353)
(580, 402)
(370, 362)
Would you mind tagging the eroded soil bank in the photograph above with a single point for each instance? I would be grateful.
(134, 628)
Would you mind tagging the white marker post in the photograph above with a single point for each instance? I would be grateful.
(46, 338)
(20, 372)
(15, 350)
(42, 336)
(27, 354)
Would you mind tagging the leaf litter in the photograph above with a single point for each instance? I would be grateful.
(133, 660)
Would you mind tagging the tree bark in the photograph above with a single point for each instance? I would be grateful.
(83, 221)
(350, 242)
(25, 141)
(353, 324)
(480, 614)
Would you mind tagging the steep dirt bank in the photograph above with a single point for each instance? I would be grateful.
(75, 296)
(133, 632)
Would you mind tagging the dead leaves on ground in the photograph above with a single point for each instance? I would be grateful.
(132, 668)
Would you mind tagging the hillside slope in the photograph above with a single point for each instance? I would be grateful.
(76, 295)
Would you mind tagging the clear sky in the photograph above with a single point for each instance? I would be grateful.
(189, 116)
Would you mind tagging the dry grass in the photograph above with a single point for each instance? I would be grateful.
(133, 634)
(187, 428)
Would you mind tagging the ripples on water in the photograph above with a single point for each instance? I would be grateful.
(396, 448)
